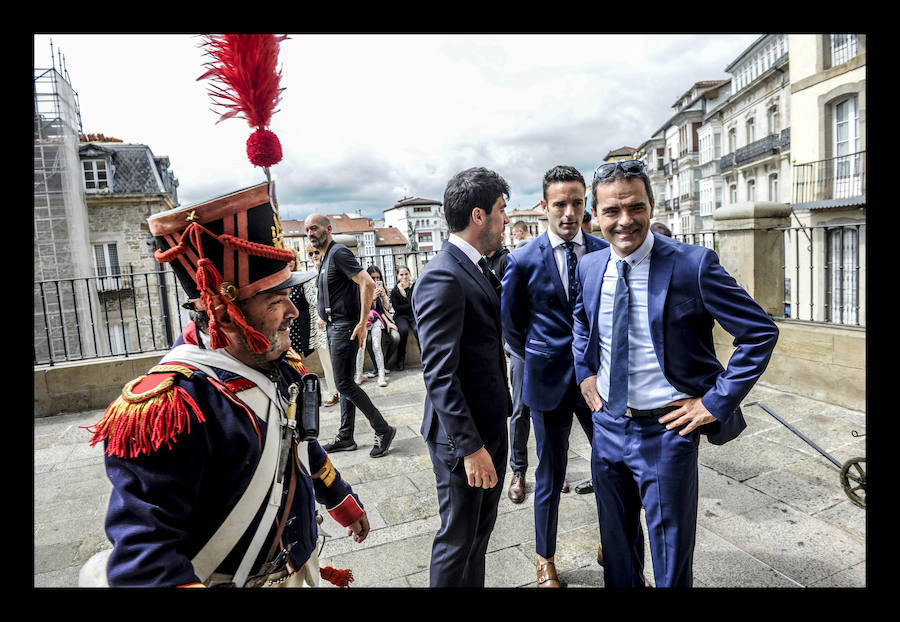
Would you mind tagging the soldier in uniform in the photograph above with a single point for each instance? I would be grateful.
(215, 469)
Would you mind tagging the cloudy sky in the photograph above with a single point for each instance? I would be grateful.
(366, 120)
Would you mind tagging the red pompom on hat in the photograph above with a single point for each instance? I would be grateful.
(245, 82)
(264, 148)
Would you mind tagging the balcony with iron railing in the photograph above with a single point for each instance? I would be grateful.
(834, 182)
(764, 147)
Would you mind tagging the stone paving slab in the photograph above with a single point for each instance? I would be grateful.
(802, 547)
(719, 563)
(771, 510)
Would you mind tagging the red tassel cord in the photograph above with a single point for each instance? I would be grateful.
(335, 576)
(245, 82)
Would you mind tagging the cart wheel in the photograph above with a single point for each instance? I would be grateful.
(853, 479)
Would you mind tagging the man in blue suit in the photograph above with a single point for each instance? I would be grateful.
(539, 292)
(467, 401)
(646, 364)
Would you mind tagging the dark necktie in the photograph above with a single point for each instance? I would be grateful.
(490, 275)
(571, 262)
(618, 367)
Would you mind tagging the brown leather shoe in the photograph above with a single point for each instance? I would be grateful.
(331, 401)
(516, 490)
(546, 574)
(565, 486)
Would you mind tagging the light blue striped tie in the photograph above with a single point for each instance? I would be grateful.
(618, 368)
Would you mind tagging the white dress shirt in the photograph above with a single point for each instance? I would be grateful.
(559, 253)
(647, 385)
(470, 251)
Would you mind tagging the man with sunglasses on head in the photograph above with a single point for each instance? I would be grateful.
(646, 364)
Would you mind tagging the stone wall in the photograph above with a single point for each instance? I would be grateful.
(825, 362)
(87, 385)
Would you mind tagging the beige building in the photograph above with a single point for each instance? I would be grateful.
(98, 291)
(828, 194)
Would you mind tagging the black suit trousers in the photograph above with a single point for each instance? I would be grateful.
(467, 515)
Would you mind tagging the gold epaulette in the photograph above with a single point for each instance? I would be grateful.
(295, 361)
(151, 410)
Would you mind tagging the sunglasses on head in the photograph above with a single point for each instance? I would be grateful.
(629, 167)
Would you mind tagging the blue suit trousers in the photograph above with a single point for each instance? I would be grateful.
(637, 462)
(551, 434)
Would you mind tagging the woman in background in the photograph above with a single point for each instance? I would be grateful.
(401, 296)
(379, 322)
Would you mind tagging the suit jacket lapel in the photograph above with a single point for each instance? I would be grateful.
(662, 262)
(601, 270)
(475, 272)
(551, 268)
(591, 244)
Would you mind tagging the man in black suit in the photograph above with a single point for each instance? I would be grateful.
(457, 307)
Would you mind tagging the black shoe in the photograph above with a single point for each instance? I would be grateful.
(382, 443)
(584, 488)
(399, 366)
(339, 444)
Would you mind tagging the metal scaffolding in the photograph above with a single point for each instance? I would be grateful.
(61, 248)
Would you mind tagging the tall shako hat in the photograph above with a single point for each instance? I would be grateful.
(230, 248)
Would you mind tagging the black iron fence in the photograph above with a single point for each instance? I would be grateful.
(124, 313)
(825, 273)
(117, 314)
(709, 239)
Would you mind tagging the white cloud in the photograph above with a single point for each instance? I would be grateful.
(366, 119)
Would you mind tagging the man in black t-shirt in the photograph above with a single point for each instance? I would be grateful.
(344, 297)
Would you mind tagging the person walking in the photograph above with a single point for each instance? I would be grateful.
(345, 293)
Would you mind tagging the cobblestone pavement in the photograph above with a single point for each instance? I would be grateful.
(772, 509)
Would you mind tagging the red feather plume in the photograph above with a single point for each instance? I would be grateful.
(245, 81)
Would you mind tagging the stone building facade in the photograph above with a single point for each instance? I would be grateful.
(124, 184)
